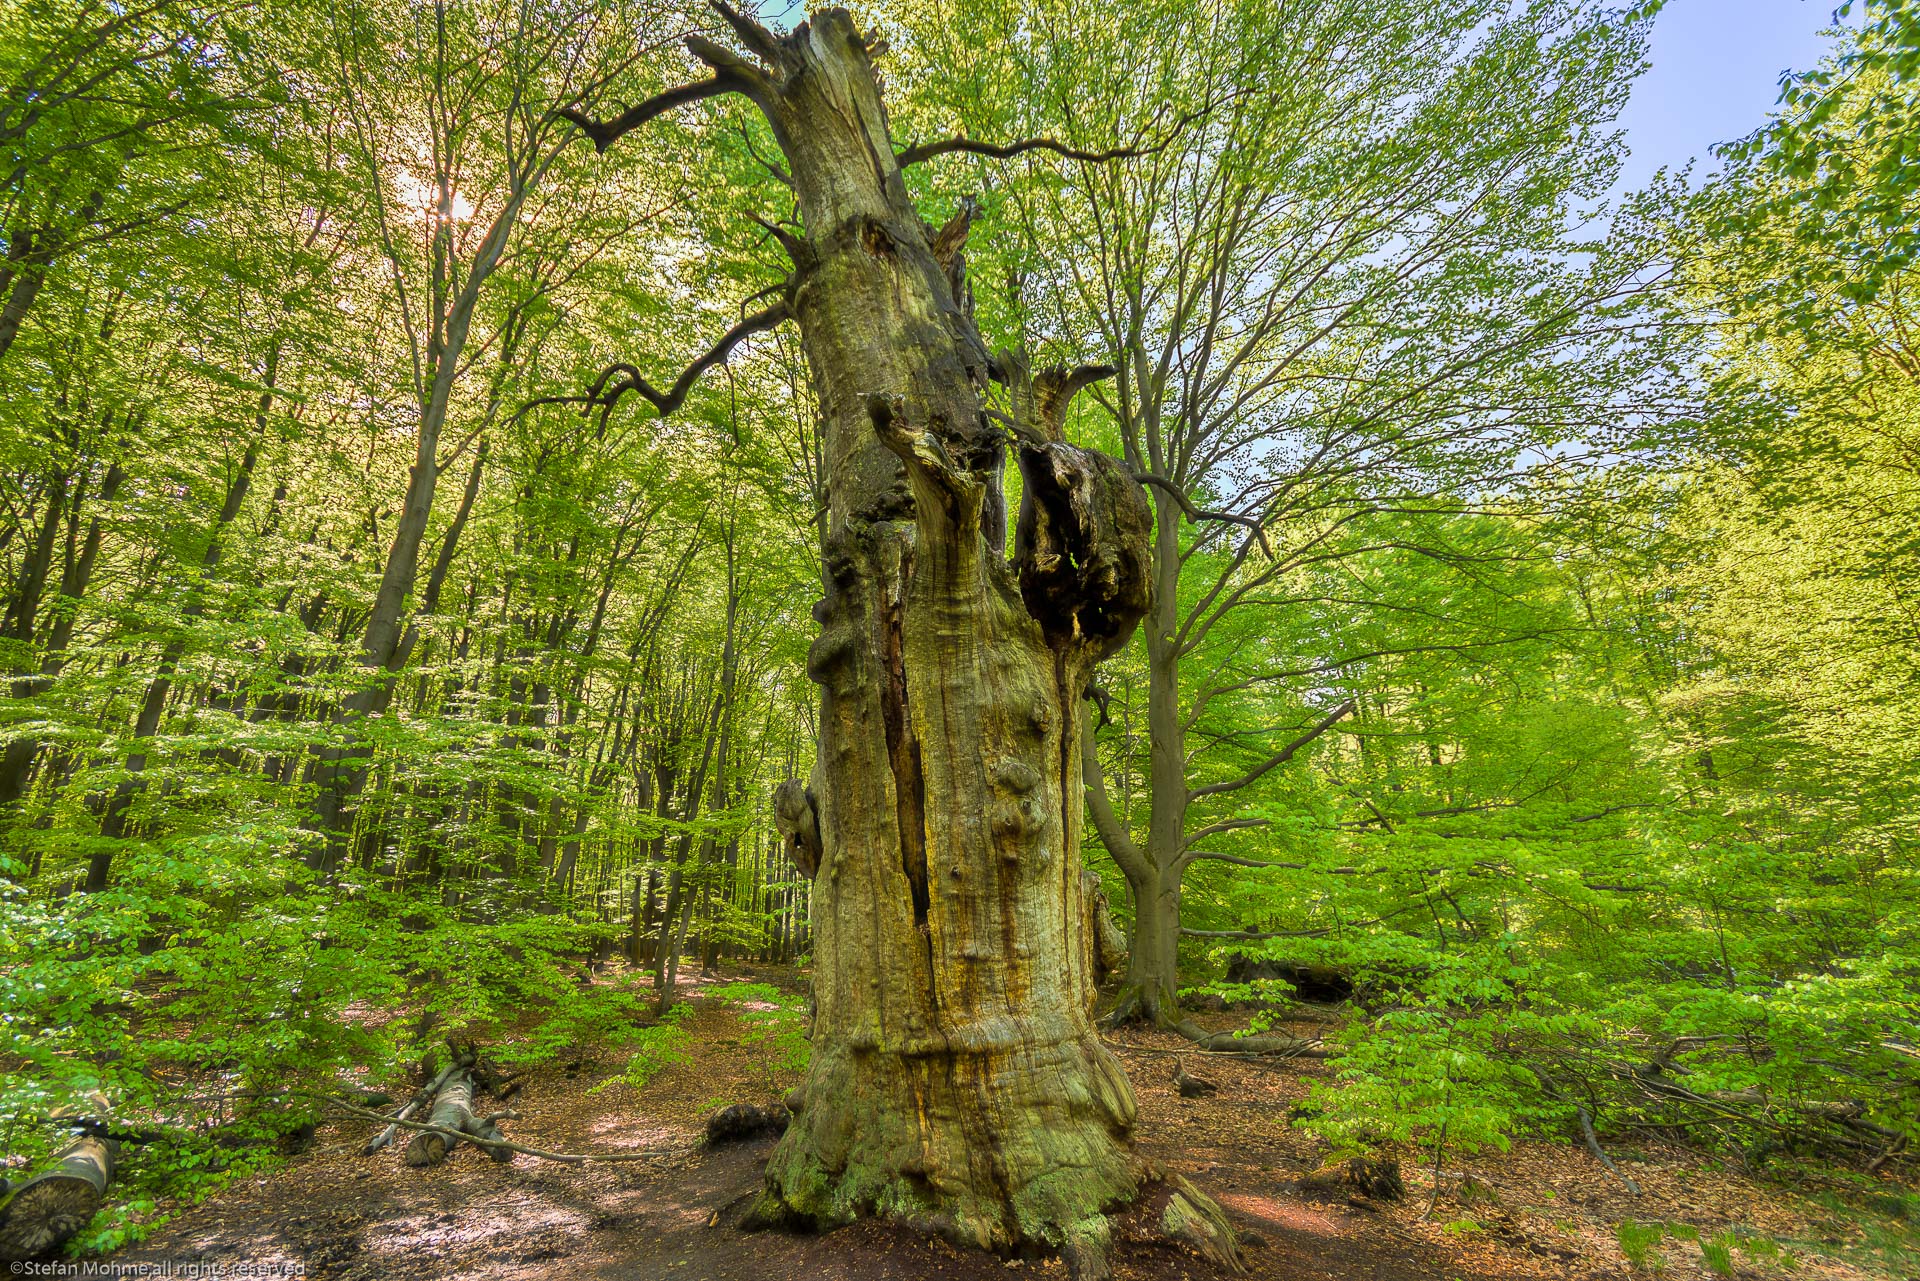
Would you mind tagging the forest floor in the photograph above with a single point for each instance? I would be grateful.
(331, 1213)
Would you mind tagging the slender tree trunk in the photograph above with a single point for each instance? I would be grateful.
(1150, 991)
(16, 763)
(25, 287)
(29, 257)
(341, 769)
(24, 608)
(673, 924)
(113, 824)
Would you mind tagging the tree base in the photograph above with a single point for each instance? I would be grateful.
(997, 1149)
(1167, 1210)
(1018, 1151)
(1140, 1003)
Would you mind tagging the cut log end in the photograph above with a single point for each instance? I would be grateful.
(427, 1149)
(452, 1115)
(45, 1211)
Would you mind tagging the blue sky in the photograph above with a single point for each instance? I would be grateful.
(1715, 73)
(1715, 76)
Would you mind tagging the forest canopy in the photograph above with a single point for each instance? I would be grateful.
(419, 505)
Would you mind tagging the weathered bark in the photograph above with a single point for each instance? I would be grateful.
(45, 1210)
(957, 1080)
(1109, 945)
(452, 1110)
(425, 1096)
(794, 817)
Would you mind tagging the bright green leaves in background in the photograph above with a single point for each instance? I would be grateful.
(1604, 520)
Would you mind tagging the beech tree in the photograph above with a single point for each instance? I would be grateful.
(449, 197)
(1590, 778)
(1351, 295)
(957, 1080)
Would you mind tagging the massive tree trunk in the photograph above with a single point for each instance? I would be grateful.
(957, 1080)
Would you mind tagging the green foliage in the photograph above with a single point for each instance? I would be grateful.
(776, 1022)
(1833, 175)
(1717, 1253)
(1639, 1242)
(1603, 541)
(655, 1049)
(1440, 1066)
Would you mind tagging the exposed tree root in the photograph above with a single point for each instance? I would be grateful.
(1128, 1009)
(1133, 1007)
(1177, 1212)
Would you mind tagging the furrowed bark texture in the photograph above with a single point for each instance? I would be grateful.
(957, 1080)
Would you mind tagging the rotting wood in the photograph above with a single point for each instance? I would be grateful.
(957, 1082)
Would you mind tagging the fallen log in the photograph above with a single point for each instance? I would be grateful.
(490, 1139)
(39, 1215)
(414, 1104)
(741, 1121)
(1378, 1179)
(1280, 1043)
(488, 1136)
(567, 1158)
(452, 1116)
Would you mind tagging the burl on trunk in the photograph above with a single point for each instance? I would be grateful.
(957, 1080)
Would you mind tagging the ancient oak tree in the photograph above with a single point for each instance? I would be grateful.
(957, 1080)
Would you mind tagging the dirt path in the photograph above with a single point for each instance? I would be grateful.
(346, 1217)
